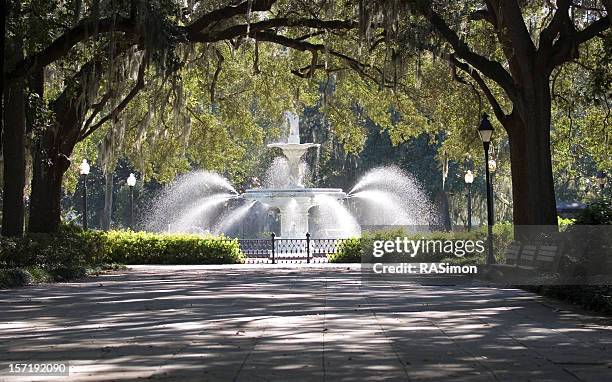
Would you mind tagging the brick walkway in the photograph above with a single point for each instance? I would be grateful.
(318, 322)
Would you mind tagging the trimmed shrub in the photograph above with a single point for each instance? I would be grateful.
(356, 250)
(68, 248)
(593, 297)
(596, 213)
(69, 252)
(127, 247)
(349, 251)
(14, 277)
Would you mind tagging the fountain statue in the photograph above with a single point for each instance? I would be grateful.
(203, 201)
(295, 201)
(293, 150)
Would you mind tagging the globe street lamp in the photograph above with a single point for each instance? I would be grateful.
(131, 182)
(84, 168)
(601, 180)
(469, 179)
(492, 165)
(485, 131)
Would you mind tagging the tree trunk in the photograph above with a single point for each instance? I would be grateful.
(444, 209)
(36, 85)
(14, 154)
(48, 168)
(528, 128)
(53, 147)
(2, 48)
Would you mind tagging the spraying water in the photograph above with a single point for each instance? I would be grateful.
(384, 196)
(183, 195)
(339, 222)
(383, 208)
(389, 196)
(200, 216)
(227, 222)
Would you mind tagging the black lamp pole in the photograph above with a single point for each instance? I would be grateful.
(469, 178)
(131, 207)
(485, 130)
(469, 217)
(84, 169)
(84, 201)
(131, 182)
(490, 222)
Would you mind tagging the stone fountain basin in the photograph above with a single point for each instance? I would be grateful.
(302, 147)
(293, 204)
(304, 196)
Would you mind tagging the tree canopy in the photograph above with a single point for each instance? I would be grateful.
(172, 85)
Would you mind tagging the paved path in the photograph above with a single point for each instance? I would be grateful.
(297, 324)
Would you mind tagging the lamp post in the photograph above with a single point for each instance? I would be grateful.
(601, 180)
(492, 168)
(469, 179)
(485, 130)
(84, 167)
(131, 182)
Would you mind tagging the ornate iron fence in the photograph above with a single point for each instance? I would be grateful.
(285, 250)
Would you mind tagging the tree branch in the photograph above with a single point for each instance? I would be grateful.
(492, 69)
(300, 45)
(304, 72)
(241, 29)
(213, 84)
(305, 46)
(482, 14)
(122, 105)
(62, 45)
(513, 24)
(594, 29)
(499, 113)
(608, 6)
(97, 108)
(566, 48)
(227, 12)
(560, 20)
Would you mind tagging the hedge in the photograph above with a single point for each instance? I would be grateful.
(128, 247)
(69, 247)
(355, 250)
(597, 212)
(73, 247)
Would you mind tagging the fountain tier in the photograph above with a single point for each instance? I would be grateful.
(293, 205)
(294, 201)
(293, 150)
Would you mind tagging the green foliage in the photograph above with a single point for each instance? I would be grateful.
(39, 274)
(214, 105)
(564, 222)
(503, 234)
(14, 277)
(349, 251)
(69, 247)
(216, 113)
(594, 297)
(598, 212)
(69, 252)
(129, 247)
(356, 250)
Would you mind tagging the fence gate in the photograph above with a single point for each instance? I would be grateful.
(280, 250)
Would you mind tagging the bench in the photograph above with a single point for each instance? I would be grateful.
(530, 259)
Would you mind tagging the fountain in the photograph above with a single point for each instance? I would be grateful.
(206, 202)
(294, 201)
